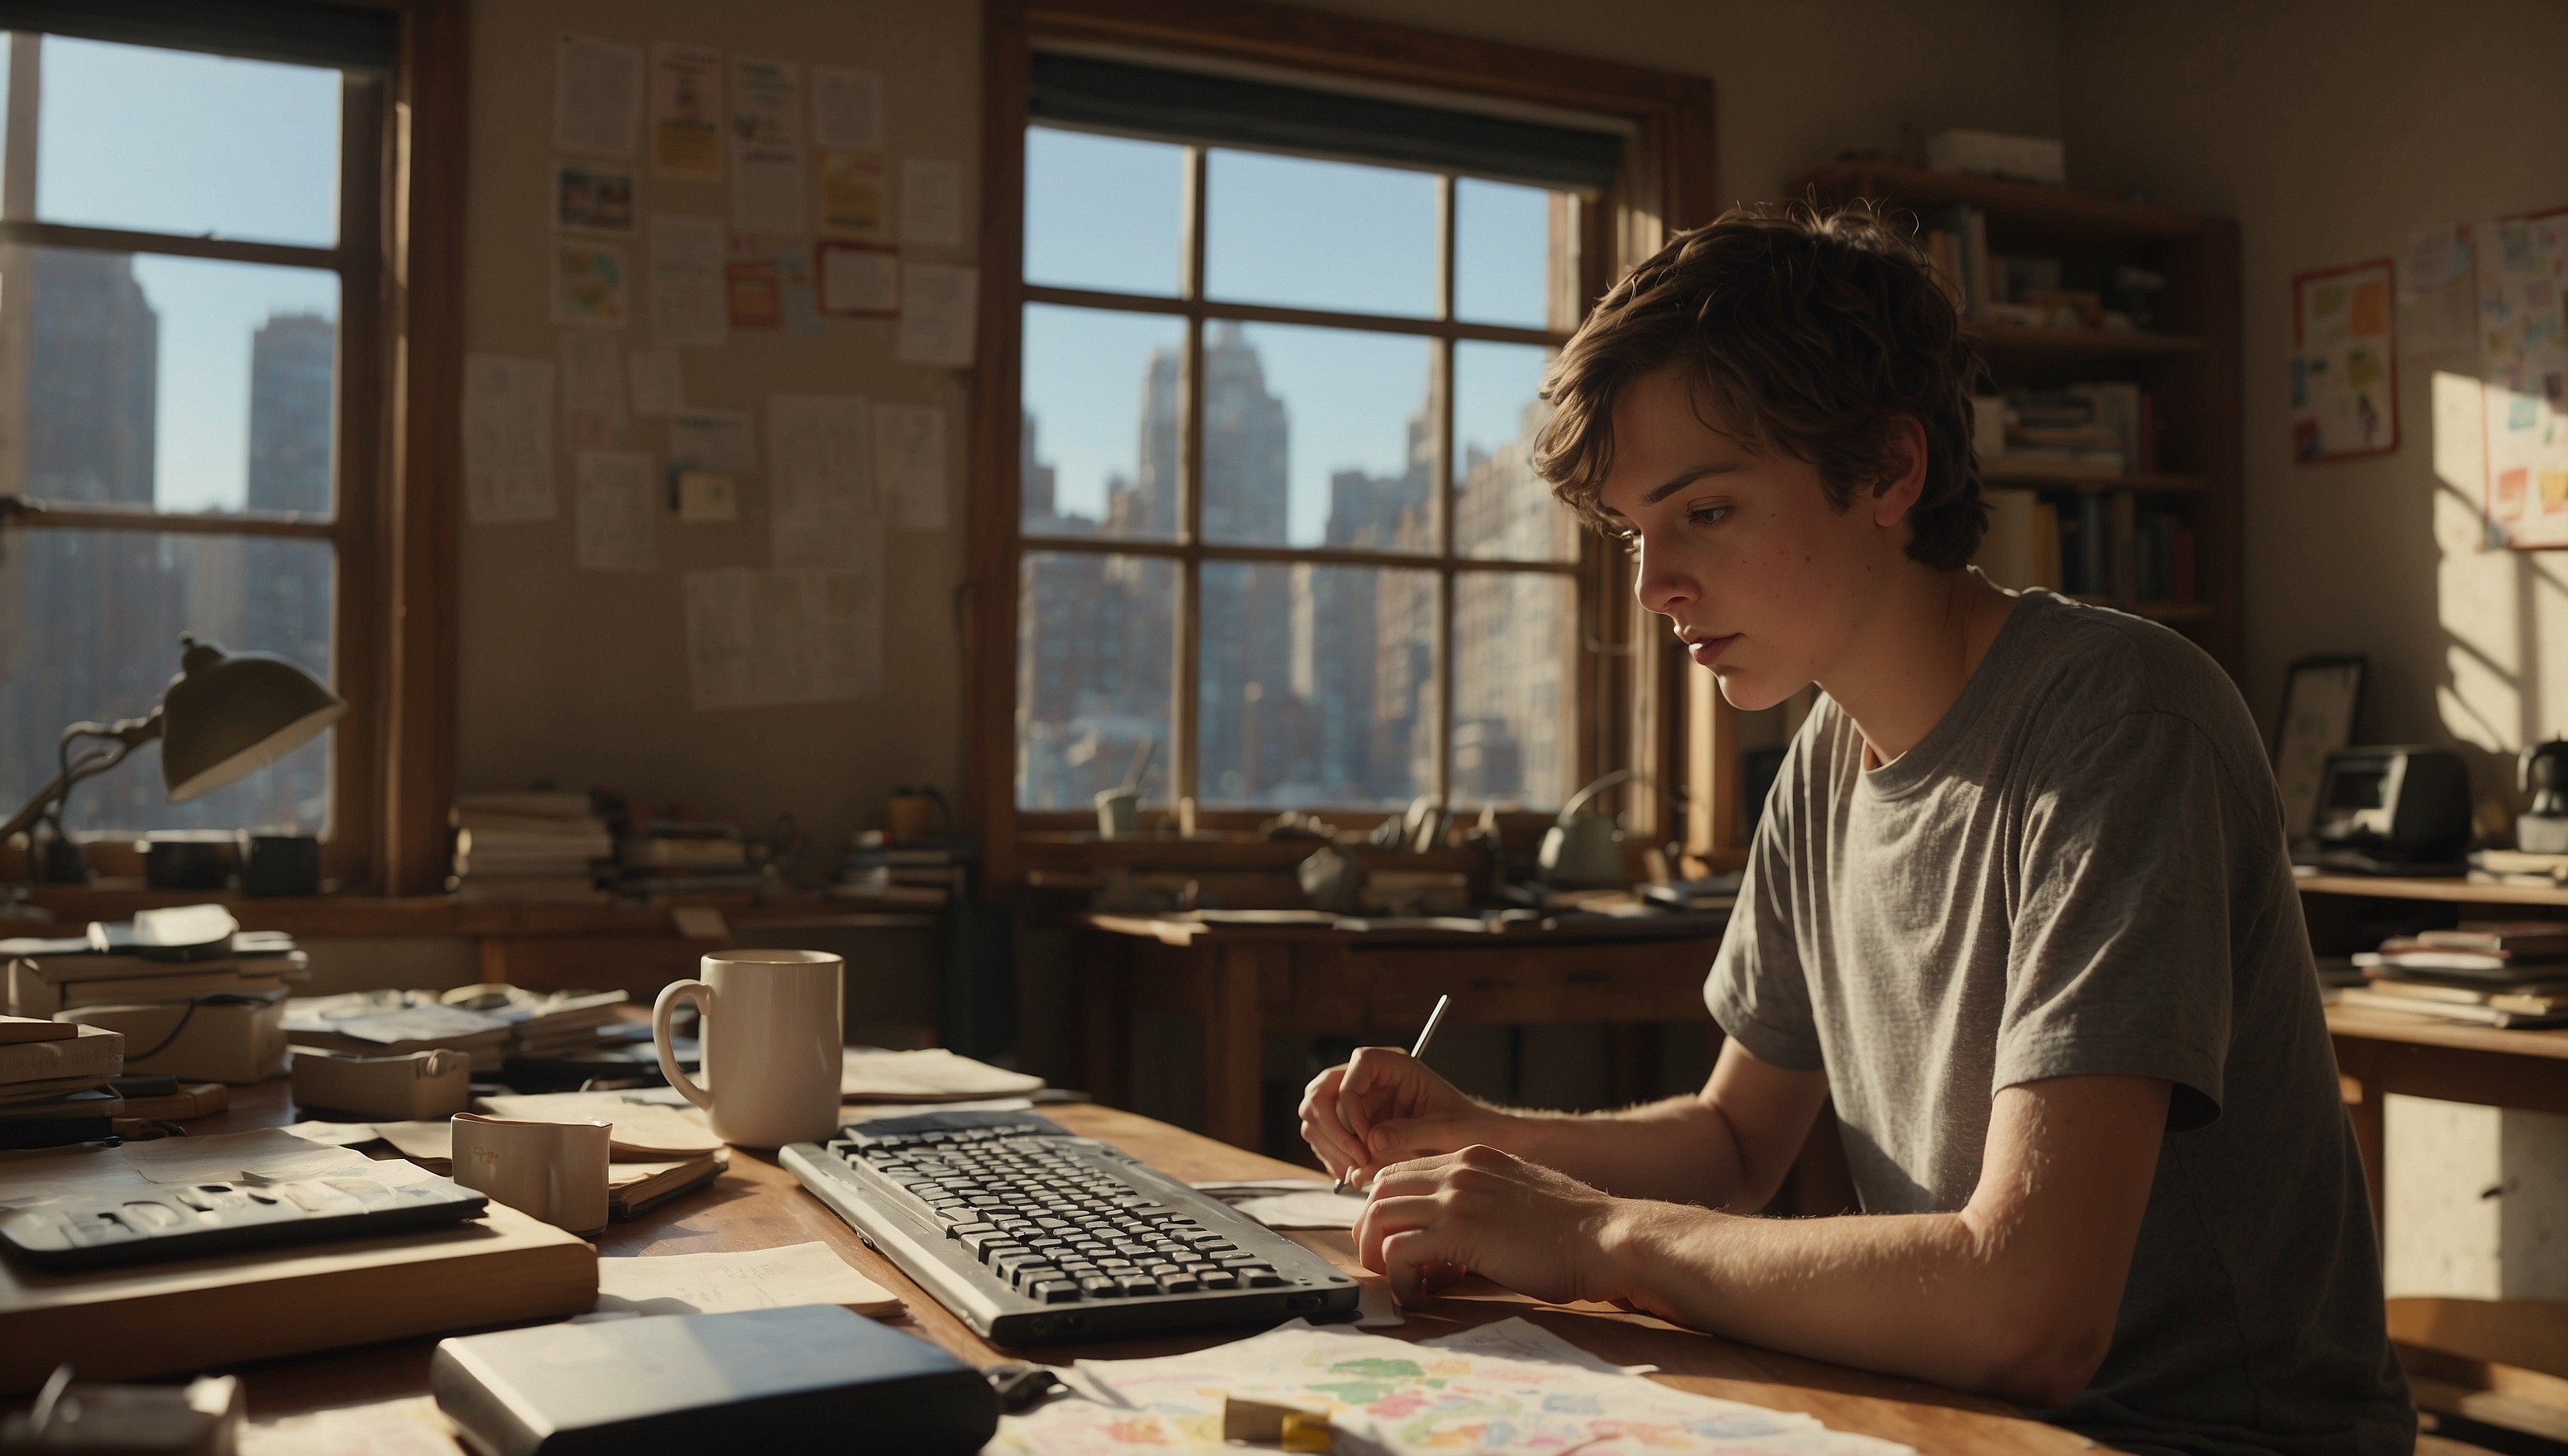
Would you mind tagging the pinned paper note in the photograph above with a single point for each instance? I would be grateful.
(719, 1284)
(712, 439)
(851, 197)
(615, 511)
(597, 94)
(846, 107)
(931, 202)
(687, 305)
(858, 280)
(766, 147)
(590, 197)
(821, 513)
(593, 388)
(938, 309)
(909, 463)
(508, 440)
(687, 113)
(590, 285)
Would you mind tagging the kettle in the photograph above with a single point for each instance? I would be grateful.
(2543, 772)
(1580, 851)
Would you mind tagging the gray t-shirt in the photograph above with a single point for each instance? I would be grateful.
(2082, 870)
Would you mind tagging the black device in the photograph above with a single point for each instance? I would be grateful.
(2543, 772)
(280, 864)
(2401, 811)
(1029, 1234)
(815, 1378)
(189, 1220)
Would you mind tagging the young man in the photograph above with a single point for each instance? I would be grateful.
(2020, 904)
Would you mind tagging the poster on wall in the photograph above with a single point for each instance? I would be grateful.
(2345, 384)
(2524, 356)
(687, 113)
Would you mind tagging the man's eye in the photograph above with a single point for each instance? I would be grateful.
(1708, 515)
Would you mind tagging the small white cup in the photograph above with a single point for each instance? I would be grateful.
(554, 1171)
(771, 1032)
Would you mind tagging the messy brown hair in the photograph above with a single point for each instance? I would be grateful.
(1807, 332)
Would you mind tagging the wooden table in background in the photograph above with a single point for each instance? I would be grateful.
(2381, 1052)
(759, 1205)
(1241, 980)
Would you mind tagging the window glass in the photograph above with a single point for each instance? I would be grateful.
(1502, 252)
(1317, 684)
(1095, 647)
(1515, 688)
(1317, 437)
(1501, 509)
(143, 589)
(1100, 453)
(1104, 213)
(179, 141)
(1297, 233)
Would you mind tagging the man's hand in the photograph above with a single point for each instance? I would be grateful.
(1481, 1211)
(1385, 1106)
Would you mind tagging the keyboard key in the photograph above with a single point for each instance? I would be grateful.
(1099, 1287)
(1260, 1277)
(1178, 1283)
(1029, 1276)
(1218, 1279)
(1054, 1292)
(1137, 1285)
(966, 1230)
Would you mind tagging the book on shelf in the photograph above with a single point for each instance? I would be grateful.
(92, 1053)
(2369, 999)
(2517, 936)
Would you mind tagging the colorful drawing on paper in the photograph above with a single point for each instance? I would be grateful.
(590, 285)
(2523, 358)
(2345, 385)
(588, 198)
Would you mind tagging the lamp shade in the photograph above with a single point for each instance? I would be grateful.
(229, 715)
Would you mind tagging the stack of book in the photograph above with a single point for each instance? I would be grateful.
(2512, 974)
(48, 977)
(535, 846)
(53, 1081)
(2520, 867)
(548, 1022)
(689, 862)
(927, 874)
(394, 1024)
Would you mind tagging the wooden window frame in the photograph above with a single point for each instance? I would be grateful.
(400, 260)
(1629, 683)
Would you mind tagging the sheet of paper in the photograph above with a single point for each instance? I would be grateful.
(2522, 278)
(821, 513)
(938, 308)
(597, 95)
(270, 1153)
(593, 388)
(719, 1284)
(2438, 299)
(659, 381)
(759, 637)
(687, 281)
(508, 440)
(798, 292)
(86, 1171)
(851, 195)
(1291, 1203)
(685, 111)
(590, 285)
(1375, 1309)
(931, 1074)
(859, 280)
(408, 1426)
(767, 148)
(617, 508)
(712, 439)
(868, 1111)
(846, 107)
(931, 202)
(640, 1127)
(909, 463)
(431, 1141)
(336, 1134)
(591, 197)
(1522, 1339)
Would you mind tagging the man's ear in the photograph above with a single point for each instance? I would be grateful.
(1897, 495)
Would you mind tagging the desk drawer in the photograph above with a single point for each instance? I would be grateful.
(1501, 984)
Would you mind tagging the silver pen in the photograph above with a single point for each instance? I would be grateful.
(1417, 1052)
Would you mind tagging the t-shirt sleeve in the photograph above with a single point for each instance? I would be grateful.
(2120, 957)
(1757, 991)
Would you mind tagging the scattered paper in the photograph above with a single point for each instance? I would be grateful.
(721, 1283)
(1291, 1203)
(427, 1142)
(615, 511)
(336, 1134)
(760, 638)
(687, 281)
(822, 513)
(2437, 300)
(508, 440)
(589, 197)
(937, 312)
(658, 383)
(2523, 280)
(909, 463)
(590, 285)
(846, 107)
(641, 1128)
(767, 148)
(868, 1111)
(931, 1074)
(1522, 1339)
(410, 1426)
(593, 387)
(931, 202)
(712, 439)
(86, 1171)
(269, 1153)
(858, 280)
(686, 113)
(851, 195)
(597, 94)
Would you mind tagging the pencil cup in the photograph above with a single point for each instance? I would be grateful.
(772, 1042)
(554, 1171)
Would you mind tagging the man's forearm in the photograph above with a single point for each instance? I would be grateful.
(1679, 1150)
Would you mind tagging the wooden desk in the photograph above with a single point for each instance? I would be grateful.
(1241, 980)
(759, 1205)
(2380, 1053)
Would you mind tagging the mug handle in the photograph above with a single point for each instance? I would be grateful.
(661, 1012)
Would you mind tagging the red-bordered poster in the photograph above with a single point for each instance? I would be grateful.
(2344, 375)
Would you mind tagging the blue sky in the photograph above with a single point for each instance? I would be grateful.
(174, 141)
(1105, 212)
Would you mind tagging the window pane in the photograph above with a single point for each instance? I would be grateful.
(1515, 688)
(1502, 253)
(180, 142)
(1317, 687)
(176, 383)
(1501, 509)
(1096, 644)
(94, 620)
(1098, 455)
(1302, 234)
(1317, 437)
(1103, 212)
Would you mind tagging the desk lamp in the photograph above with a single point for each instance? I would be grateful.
(225, 716)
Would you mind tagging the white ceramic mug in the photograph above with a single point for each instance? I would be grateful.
(770, 1029)
(554, 1171)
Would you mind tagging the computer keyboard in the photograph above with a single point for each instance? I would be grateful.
(1030, 1233)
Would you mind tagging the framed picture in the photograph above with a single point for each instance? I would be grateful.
(2320, 696)
(2345, 378)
